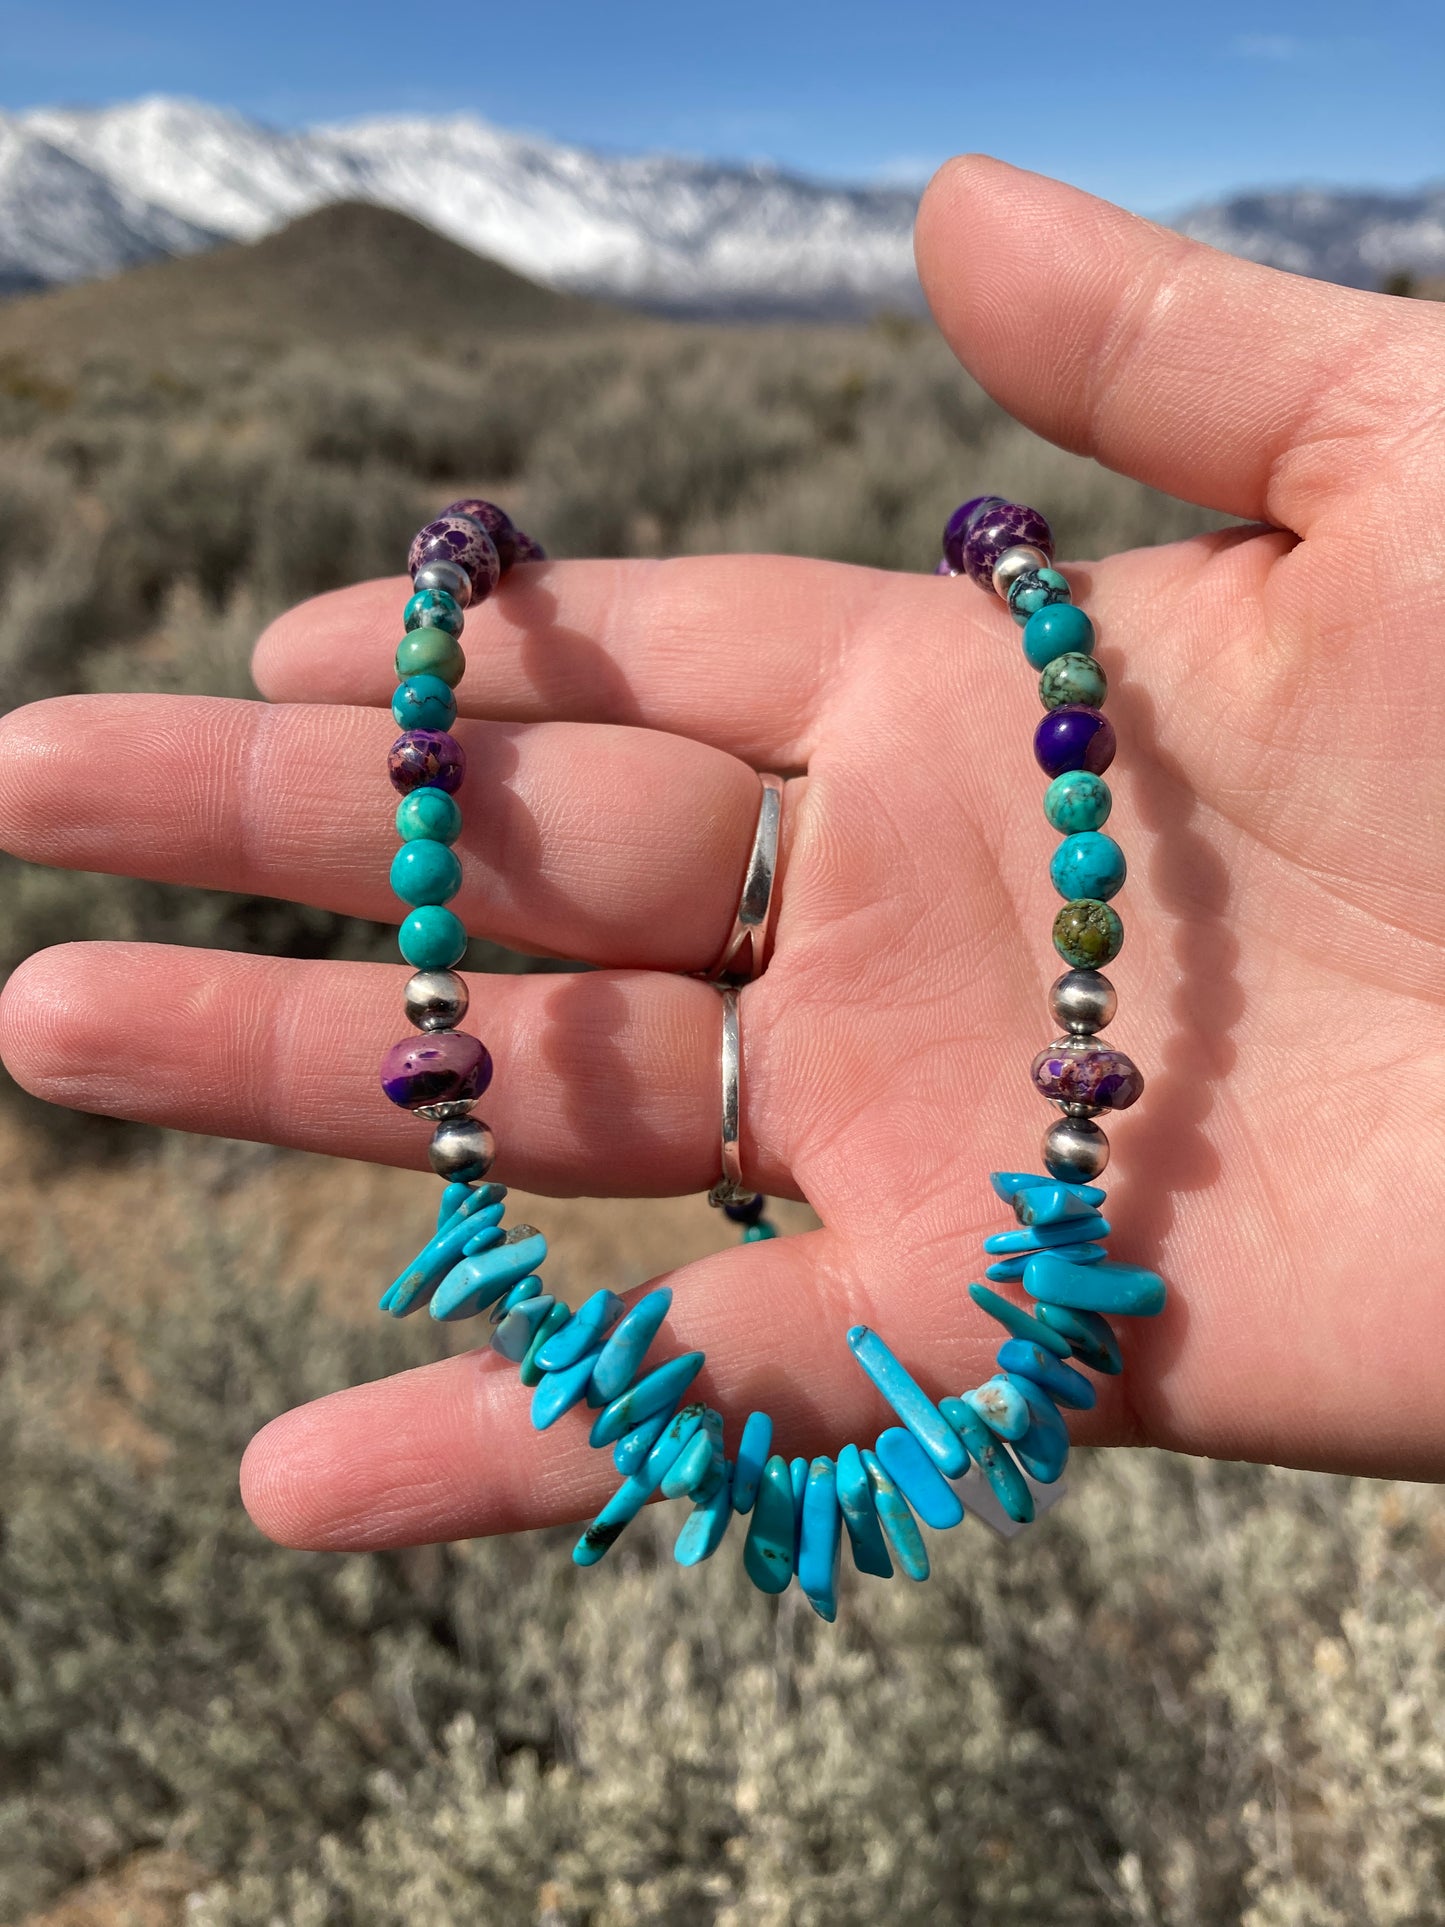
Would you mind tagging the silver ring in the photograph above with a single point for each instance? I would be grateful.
(730, 1188)
(745, 953)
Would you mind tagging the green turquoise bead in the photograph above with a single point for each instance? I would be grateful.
(1058, 630)
(432, 938)
(1088, 934)
(431, 652)
(424, 872)
(1078, 800)
(1073, 678)
(424, 702)
(429, 813)
(1088, 865)
(433, 609)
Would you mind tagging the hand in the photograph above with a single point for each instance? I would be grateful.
(1280, 710)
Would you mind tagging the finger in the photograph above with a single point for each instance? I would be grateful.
(737, 651)
(606, 1082)
(613, 845)
(447, 1451)
(1233, 385)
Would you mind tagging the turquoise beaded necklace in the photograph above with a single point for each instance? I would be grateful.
(1001, 1447)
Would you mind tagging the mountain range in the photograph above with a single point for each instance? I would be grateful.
(84, 193)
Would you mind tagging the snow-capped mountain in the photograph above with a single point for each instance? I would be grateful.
(83, 193)
(164, 176)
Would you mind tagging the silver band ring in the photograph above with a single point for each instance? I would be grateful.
(730, 1189)
(745, 953)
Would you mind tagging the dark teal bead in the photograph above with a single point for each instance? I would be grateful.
(432, 938)
(433, 609)
(1057, 630)
(423, 702)
(431, 814)
(1073, 678)
(1017, 1322)
(1077, 801)
(772, 1529)
(425, 872)
(531, 1373)
(1088, 865)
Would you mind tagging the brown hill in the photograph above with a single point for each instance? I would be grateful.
(346, 276)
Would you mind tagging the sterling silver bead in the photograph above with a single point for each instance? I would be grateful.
(1016, 562)
(1075, 1150)
(435, 1000)
(462, 1150)
(1083, 1001)
(447, 577)
(444, 1113)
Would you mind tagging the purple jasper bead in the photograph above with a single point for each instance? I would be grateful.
(1074, 738)
(431, 759)
(439, 1067)
(955, 530)
(998, 526)
(457, 538)
(495, 521)
(1095, 1074)
(528, 549)
(943, 567)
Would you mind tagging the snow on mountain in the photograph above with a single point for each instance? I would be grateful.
(84, 192)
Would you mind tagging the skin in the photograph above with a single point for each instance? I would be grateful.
(1277, 792)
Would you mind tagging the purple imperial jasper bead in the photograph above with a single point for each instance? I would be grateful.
(1074, 738)
(955, 530)
(1087, 1074)
(457, 538)
(439, 1067)
(498, 524)
(431, 759)
(998, 526)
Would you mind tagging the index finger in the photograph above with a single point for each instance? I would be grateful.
(740, 651)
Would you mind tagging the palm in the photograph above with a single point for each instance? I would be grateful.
(1276, 982)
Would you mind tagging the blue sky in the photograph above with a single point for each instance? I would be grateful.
(1153, 105)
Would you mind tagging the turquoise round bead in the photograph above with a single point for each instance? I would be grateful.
(1058, 630)
(432, 938)
(425, 872)
(431, 652)
(1077, 800)
(1088, 865)
(433, 609)
(424, 702)
(1034, 590)
(1073, 678)
(430, 813)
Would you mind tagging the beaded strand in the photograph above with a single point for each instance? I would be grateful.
(1001, 1446)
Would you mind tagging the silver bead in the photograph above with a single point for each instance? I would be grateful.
(435, 1000)
(1075, 1150)
(447, 577)
(1083, 1001)
(443, 1113)
(462, 1150)
(1016, 562)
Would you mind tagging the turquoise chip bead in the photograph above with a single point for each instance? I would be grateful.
(518, 1295)
(432, 938)
(423, 871)
(1054, 1203)
(900, 1528)
(1010, 1270)
(520, 1326)
(611, 1522)
(1043, 1450)
(798, 1472)
(909, 1401)
(692, 1470)
(1008, 1184)
(1002, 1244)
(661, 1387)
(822, 1534)
(591, 1321)
(1001, 1408)
(558, 1392)
(681, 1427)
(1016, 1321)
(991, 1456)
(633, 1447)
(454, 1196)
(1078, 801)
(429, 813)
(860, 1515)
(752, 1455)
(1062, 1383)
(1088, 865)
(626, 1344)
(530, 1372)
(487, 1276)
(1059, 629)
(703, 1533)
(918, 1478)
(1126, 1290)
(1086, 1334)
(442, 1252)
(768, 1548)
(433, 609)
(423, 702)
